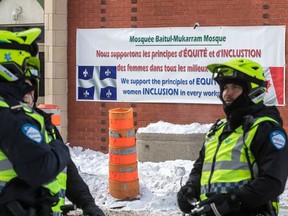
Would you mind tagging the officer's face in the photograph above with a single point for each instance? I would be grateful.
(29, 97)
(231, 92)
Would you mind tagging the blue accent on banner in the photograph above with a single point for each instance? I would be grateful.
(85, 72)
(107, 72)
(108, 93)
(86, 93)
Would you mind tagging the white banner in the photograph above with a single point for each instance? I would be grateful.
(168, 65)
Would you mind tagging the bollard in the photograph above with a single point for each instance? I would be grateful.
(123, 172)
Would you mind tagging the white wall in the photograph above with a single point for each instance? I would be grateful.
(32, 12)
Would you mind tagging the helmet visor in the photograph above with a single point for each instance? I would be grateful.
(32, 72)
(226, 73)
(10, 72)
(221, 73)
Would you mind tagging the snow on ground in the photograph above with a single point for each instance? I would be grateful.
(159, 182)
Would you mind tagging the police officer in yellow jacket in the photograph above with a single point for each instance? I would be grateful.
(31, 166)
(242, 166)
(74, 188)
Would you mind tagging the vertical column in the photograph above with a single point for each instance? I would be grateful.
(56, 81)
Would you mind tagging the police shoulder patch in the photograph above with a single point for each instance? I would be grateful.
(32, 132)
(278, 139)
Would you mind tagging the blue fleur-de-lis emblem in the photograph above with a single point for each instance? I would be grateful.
(108, 94)
(85, 72)
(86, 93)
(108, 72)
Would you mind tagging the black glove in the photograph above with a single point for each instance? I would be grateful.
(46, 201)
(186, 198)
(92, 210)
(218, 204)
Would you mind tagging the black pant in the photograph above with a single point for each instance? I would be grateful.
(14, 208)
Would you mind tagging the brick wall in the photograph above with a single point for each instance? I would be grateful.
(88, 121)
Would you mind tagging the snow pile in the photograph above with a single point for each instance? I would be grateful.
(168, 128)
(159, 182)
